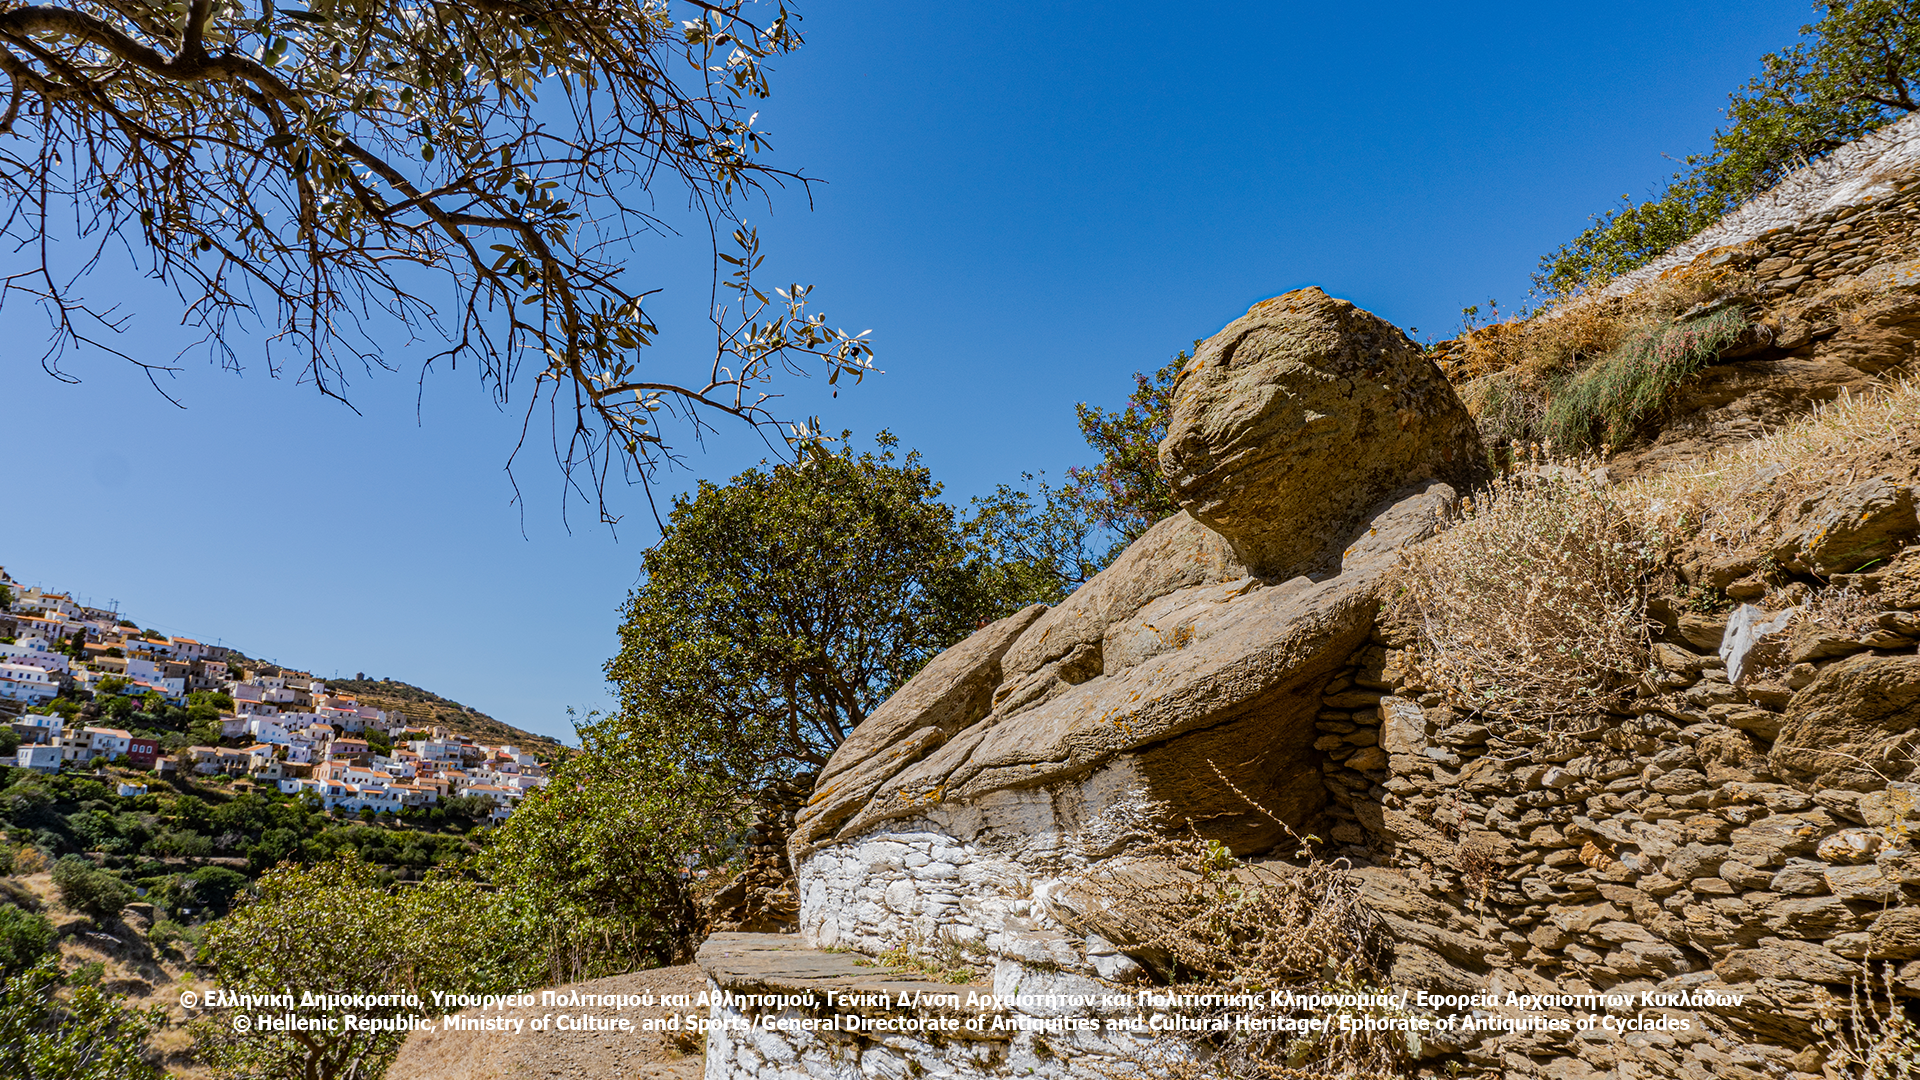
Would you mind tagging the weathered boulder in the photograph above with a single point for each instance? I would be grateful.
(1227, 685)
(951, 693)
(1184, 671)
(1300, 415)
(1854, 726)
(1068, 643)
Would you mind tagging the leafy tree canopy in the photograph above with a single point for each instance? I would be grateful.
(354, 172)
(1853, 71)
(25, 937)
(589, 866)
(338, 927)
(86, 1035)
(1045, 541)
(90, 891)
(1127, 492)
(780, 609)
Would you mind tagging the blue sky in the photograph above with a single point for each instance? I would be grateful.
(1025, 202)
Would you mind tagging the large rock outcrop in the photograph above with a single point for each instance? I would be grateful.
(1300, 415)
(1310, 442)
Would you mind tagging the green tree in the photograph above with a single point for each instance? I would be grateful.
(1125, 492)
(25, 937)
(335, 928)
(1044, 541)
(1039, 541)
(90, 891)
(216, 886)
(203, 723)
(340, 159)
(589, 866)
(778, 610)
(1855, 70)
(87, 1035)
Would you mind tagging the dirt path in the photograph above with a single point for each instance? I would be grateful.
(566, 1055)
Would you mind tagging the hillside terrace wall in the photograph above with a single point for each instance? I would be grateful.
(1864, 174)
(1652, 853)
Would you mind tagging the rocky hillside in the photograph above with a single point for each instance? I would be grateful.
(1810, 292)
(1568, 675)
(424, 708)
(1635, 733)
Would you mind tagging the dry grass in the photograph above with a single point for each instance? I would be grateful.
(1208, 923)
(1532, 606)
(1735, 499)
(27, 859)
(1586, 373)
(1867, 1038)
(1844, 610)
(947, 959)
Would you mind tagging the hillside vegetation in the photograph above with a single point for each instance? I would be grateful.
(424, 708)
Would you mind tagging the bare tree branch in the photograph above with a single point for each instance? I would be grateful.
(337, 161)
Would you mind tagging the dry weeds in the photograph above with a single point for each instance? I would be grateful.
(1735, 498)
(1866, 1038)
(1585, 373)
(1532, 606)
(1209, 923)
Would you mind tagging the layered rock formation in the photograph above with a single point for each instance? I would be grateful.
(1310, 441)
(1293, 421)
(1725, 852)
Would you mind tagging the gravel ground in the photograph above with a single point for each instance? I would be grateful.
(566, 1055)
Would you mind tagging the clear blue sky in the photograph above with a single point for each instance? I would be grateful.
(1027, 202)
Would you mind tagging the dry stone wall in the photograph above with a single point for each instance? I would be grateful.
(1836, 188)
(1730, 841)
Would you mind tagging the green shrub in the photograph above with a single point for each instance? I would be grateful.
(216, 886)
(1602, 405)
(46, 1035)
(24, 938)
(179, 842)
(90, 891)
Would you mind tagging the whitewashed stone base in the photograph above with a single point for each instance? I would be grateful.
(969, 873)
(738, 1048)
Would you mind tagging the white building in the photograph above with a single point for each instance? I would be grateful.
(34, 652)
(149, 673)
(40, 758)
(107, 742)
(38, 728)
(36, 602)
(23, 682)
